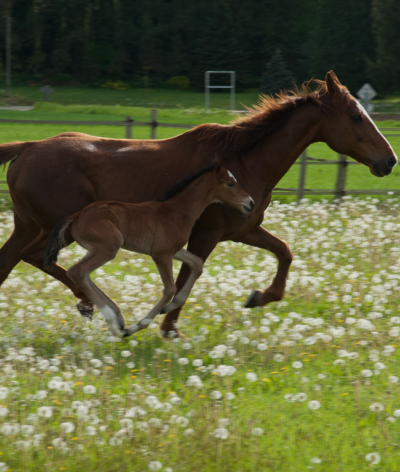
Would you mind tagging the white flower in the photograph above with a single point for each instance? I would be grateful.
(339, 362)
(3, 467)
(251, 377)
(153, 402)
(90, 431)
(80, 373)
(393, 379)
(125, 353)
(27, 429)
(396, 413)
(289, 397)
(221, 433)
(321, 376)
(366, 373)
(314, 405)
(215, 395)
(197, 363)
(376, 407)
(89, 389)
(297, 364)
(188, 432)
(229, 396)
(301, 397)
(96, 363)
(3, 393)
(373, 458)
(262, 346)
(194, 381)
(174, 399)
(68, 427)
(45, 411)
(316, 460)
(279, 357)
(155, 465)
(257, 431)
(183, 361)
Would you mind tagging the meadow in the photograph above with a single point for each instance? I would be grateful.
(309, 383)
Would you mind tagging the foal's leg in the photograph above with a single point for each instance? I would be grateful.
(260, 237)
(164, 266)
(79, 273)
(34, 255)
(196, 268)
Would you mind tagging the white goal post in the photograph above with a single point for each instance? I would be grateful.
(231, 87)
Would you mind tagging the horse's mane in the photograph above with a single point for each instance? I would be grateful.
(268, 116)
(184, 183)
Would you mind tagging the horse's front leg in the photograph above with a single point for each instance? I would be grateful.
(260, 237)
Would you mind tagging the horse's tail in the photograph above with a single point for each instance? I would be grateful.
(9, 151)
(58, 240)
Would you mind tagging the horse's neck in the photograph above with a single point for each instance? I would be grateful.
(272, 159)
(191, 202)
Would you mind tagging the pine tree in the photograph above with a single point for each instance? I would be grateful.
(384, 72)
(276, 76)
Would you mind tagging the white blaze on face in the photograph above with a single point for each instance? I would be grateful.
(365, 115)
(231, 175)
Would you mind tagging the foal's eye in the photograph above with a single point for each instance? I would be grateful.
(230, 184)
(356, 118)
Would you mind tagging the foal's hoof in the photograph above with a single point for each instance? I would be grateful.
(131, 330)
(255, 299)
(85, 310)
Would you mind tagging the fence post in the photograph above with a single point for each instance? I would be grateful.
(341, 177)
(302, 179)
(154, 123)
(128, 127)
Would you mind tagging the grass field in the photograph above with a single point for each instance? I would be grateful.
(318, 176)
(310, 383)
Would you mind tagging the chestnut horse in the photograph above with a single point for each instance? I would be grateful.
(56, 177)
(159, 229)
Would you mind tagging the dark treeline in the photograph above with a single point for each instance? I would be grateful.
(147, 42)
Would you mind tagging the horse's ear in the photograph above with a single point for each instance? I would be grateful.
(332, 83)
(217, 163)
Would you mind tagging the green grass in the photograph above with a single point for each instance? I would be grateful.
(341, 304)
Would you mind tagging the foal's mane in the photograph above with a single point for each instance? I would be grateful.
(268, 116)
(182, 184)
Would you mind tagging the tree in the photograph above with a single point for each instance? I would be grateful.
(276, 76)
(384, 71)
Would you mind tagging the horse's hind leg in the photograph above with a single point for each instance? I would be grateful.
(79, 273)
(34, 255)
(11, 252)
(164, 266)
(196, 268)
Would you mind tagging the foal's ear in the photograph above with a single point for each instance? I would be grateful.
(332, 83)
(217, 163)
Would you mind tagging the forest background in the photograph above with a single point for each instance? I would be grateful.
(146, 43)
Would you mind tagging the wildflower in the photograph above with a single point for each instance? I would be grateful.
(221, 433)
(376, 407)
(67, 427)
(257, 431)
(297, 364)
(229, 396)
(316, 460)
(393, 379)
(339, 362)
(289, 397)
(45, 411)
(223, 422)
(197, 363)
(155, 465)
(27, 429)
(300, 397)
(373, 458)
(96, 363)
(153, 402)
(3, 393)
(183, 361)
(215, 395)
(194, 381)
(89, 389)
(314, 405)
(90, 431)
(251, 377)
(279, 357)
(3, 467)
(4, 411)
(188, 432)
(321, 376)
(366, 373)
(396, 413)
(125, 353)
(80, 373)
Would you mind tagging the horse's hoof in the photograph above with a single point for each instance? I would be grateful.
(131, 330)
(163, 311)
(255, 299)
(85, 310)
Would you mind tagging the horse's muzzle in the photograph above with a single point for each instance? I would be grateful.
(248, 207)
(380, 169)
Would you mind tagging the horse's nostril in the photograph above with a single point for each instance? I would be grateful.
(252, 204)
(392, 161)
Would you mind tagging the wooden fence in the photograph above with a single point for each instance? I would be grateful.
(342, 163)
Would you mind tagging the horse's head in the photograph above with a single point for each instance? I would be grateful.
(348, 129)
(228, 191)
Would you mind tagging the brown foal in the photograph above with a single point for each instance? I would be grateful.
(159, 229)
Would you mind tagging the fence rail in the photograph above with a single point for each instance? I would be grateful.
(342, 163)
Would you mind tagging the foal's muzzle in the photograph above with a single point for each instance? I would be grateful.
(248, 206)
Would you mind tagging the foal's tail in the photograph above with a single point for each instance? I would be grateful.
(57, 241)
(9, 151)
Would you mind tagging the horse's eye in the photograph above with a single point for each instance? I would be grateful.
(230, 185)
(356, 118)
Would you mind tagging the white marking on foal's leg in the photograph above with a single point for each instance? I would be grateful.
(111, 318)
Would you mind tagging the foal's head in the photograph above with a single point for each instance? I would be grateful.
(348, 129)
(227, 190)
